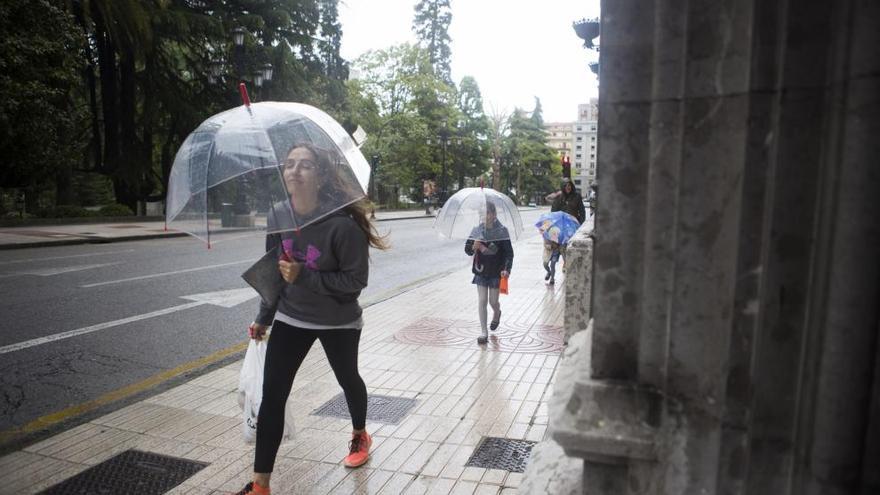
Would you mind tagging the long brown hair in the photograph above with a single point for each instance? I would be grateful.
(358, 212)
(330, 166)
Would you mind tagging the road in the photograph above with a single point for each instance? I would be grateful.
(84, 322)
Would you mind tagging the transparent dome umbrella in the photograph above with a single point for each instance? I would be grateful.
(464, 216)
(557, 226)
(228, 176)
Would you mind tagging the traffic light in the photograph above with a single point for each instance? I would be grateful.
(566, 167)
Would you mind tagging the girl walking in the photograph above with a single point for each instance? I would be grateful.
(489, 244)
(325, 266)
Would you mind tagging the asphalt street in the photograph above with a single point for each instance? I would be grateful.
(84, 321)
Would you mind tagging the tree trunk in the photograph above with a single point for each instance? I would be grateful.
(129, 169)
(91, 83)
(63, 184)
(109, 97)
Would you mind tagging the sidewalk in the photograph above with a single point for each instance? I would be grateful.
(420, 361)
(59, 235)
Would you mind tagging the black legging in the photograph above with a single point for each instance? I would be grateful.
(287, 349)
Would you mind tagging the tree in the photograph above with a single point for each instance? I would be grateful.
(431, 25)
(528, 157)
(149, 73)
(39, 120)
(472, 158)
(405, 101)
(499, 126)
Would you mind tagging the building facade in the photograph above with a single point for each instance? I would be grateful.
(731, 345)
(559, 136)
(584, 145)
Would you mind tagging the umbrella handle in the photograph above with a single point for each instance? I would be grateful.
(245, 99)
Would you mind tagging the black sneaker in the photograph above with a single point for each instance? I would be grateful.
(551, 282)
(494, 325)
(482, 339)
(547, 277)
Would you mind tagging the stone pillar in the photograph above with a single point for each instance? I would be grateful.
(734, 346)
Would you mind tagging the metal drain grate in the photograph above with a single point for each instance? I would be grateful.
(501, 453)
(132, 472)
(380, 408)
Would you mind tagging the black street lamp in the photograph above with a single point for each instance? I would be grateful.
(237, 57)
(444, 138)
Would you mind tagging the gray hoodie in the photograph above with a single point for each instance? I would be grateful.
(335, 256)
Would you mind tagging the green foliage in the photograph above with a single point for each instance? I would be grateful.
(38, 67)
(115, 210)
(527, 159)
(431, 25)
(66, 211)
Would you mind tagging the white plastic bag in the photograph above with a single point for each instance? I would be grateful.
(250, 392)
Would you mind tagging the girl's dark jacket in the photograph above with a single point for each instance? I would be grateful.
(498, 255)
(571, 203)
(335, 256)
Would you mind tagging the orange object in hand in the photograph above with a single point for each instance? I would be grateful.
(502, 287)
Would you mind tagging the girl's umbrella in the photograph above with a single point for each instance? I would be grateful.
(464, 216)
(228, 175)
(557, 226)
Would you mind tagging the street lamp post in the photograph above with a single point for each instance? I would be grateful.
(261, 75)
(444, 139)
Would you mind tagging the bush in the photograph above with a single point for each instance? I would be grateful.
(115, 210)
(65, 211)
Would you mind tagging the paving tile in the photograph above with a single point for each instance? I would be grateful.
(439, 459)
(463, 488)
(494, 476)
(441, 486)
(396, 484)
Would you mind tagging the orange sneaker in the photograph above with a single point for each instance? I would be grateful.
(359, 450)
(254, 489)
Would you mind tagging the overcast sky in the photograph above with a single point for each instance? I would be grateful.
(515, 49)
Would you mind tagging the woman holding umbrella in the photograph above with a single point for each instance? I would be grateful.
(326, 265)
(489, 244)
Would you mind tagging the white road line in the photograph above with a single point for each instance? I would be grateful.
(30, 260)
(48, 272)
(94, 328)
(224, 298)
(164, 274)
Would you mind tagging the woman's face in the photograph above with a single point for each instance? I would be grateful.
(301, 172)
(490, 217)
(567, 188)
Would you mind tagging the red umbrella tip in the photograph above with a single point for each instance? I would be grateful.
(245, 99)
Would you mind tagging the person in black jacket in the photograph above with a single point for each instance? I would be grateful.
(325, 265)
(570, 201)
(489, 244)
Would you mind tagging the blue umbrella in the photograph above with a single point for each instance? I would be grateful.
(557, 226)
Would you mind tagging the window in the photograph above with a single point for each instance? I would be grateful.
(580, 138)
(578, 147)
(579, 128)
(593, 138)
(577, 182)
(593, 147)
(592, 128)
(578, 155)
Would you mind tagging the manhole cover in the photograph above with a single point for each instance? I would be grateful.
(132, 472)
(501, 453)
(380, 408)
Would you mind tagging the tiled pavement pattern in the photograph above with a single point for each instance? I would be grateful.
(463, 393)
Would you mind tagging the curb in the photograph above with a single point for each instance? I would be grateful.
(108, 240)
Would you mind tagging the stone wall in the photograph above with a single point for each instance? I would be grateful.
(736, 279)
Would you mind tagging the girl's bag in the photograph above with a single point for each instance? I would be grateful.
(250, 392)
